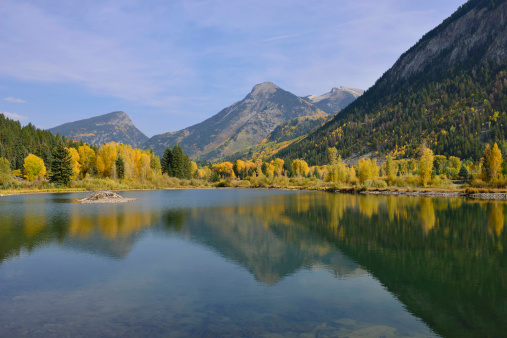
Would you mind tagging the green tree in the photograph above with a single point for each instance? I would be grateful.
(120, 167)
(5, 171)
(166, 162)
(61, 167)
(463, 172)
(178, 162)
(316, 173)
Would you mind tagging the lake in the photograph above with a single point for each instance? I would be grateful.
(252, 263)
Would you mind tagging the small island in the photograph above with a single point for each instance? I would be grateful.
(105, 196)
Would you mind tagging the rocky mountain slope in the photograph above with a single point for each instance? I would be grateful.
(448, 91)
(334, 101)
(281, 137)
(115, 126)
(241, 125)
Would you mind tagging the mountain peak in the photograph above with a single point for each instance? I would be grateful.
(264, 88)
(335, 100)
(115, 126)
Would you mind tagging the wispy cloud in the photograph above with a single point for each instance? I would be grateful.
(14, 100)
(14, 116)
(156, 57)
(282, 37)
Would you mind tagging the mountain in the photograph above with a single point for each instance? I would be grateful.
(241, 125)
(449, 91)
(115, 126)
(281, 137)
(337, 99)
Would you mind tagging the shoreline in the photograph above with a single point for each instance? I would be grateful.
(495, 196)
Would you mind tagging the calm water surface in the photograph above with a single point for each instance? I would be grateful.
(252, 263)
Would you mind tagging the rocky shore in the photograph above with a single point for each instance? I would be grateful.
(484, 196)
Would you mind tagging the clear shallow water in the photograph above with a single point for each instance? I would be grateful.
(251, 263)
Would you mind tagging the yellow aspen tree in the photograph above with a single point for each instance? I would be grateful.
(391, 169)
(136, 163)
(332, 156)
(34, 167)
(86, 158)
(74, 161)
(300, 167)
(425, 166)
(361, 170)
(105, 160)
(493, 162)
(145, 165)
(367, 170)
(224, 169)
(278, 163)
(193, 169)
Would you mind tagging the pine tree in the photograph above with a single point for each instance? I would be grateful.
(120, 167)
(177, 162)
(61, 166)
(463, 172)
(166, 162)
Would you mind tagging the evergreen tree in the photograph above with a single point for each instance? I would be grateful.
(178, 162)
(463, 172)
(166, 162)
(120, 167)
(61, 166)
(316, 173)
(186, 167)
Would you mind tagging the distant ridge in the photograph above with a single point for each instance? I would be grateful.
(337, 99)
(115, 126)
(243, 124)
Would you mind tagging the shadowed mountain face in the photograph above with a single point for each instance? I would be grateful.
(337, 99)
(243, 124)
(443, 81)
(115, 126)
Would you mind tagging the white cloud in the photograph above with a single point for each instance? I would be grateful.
(14, 116)
(122, 64)
(14, 100)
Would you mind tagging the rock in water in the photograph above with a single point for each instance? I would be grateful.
(105, 196)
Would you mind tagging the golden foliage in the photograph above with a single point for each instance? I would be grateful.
(76, 167)
(86, 158)
(426, 166)
(34, 167)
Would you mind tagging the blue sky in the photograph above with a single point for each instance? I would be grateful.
(171, 64)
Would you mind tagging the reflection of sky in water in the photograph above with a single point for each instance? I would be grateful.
(241, 262)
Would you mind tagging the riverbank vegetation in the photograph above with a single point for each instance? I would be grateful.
(72, 166)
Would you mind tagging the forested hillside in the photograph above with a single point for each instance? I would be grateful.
(448, 91)
(17, 142)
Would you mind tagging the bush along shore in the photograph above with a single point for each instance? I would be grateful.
(117, 167)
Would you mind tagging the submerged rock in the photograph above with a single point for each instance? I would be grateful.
(105, 196)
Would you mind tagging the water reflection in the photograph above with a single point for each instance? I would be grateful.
(443, 258)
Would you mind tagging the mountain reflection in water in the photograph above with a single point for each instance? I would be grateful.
(443, 258)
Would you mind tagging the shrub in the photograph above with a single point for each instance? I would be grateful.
(377, 184)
